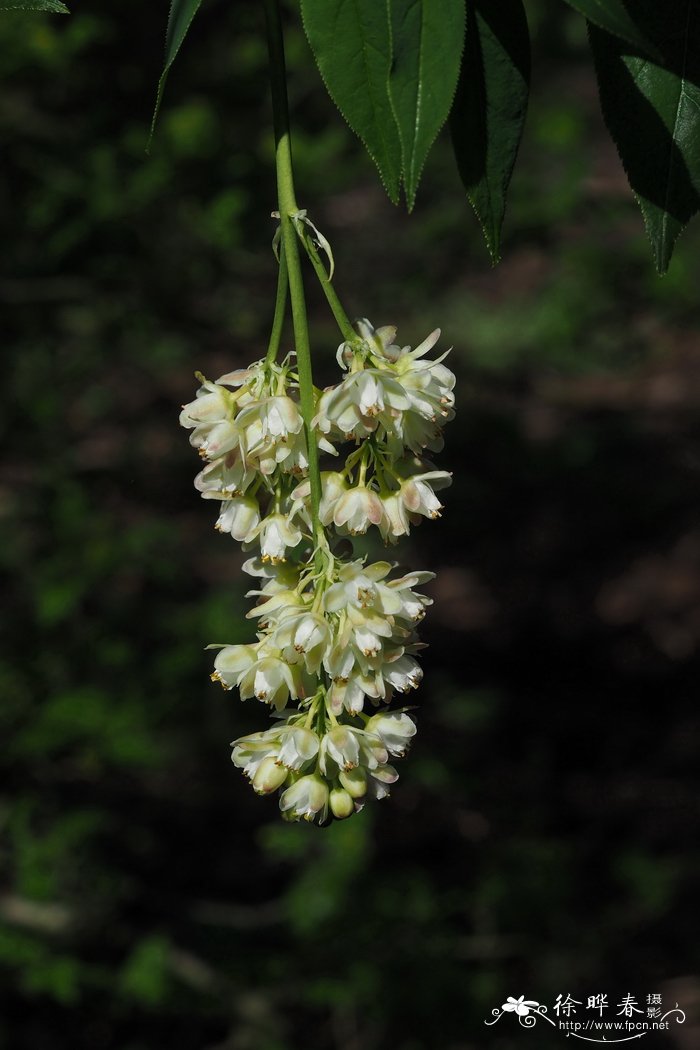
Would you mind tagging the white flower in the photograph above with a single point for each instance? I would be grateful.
(275, 533)
(429, 386)
(305, 636)
(307, 798)
(241, 517)
(258, 672)
(254, 378)
(298, 746)
(333, 486)
(211, 415)
(363, 588)
(363, 400)
(227, 476)
(349, 693)
(288, 747)
(380, 341)
(412, 607)
(249, 752)
(269, 680)
(394, 729)
(232, 662)
(357, 509)
(394, 520)
(418, 495)
(274, 418)
(269, 429)
(403, 674)
(278, 601)
(389, 390)
(280, 573)
(343, 746)
(373, 640)
(379, 781)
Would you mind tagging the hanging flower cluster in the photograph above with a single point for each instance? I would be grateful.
(335, 635)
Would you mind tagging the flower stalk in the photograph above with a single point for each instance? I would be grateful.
(273, 347)
(348, 332)
(290, 250)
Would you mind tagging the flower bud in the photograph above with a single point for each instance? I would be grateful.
(268, 777)
(354, 781)
(341, 802)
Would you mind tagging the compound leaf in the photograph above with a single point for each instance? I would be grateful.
(490, 106)
(653, 114)
(351, 42)
(427, 38)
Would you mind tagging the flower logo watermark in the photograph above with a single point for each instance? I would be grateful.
(521, 1006)
(526, 1010)
(629, 1022)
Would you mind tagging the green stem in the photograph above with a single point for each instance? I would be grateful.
(290, 247)
(280, 307)
(348, 332)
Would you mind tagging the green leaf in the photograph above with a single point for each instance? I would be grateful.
(653, 114)
(427, 41)
(490, 106)
(179, 21)
(615, 17)
(54, 6)
(351, 42)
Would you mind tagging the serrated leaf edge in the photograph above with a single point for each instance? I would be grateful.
(394, 197)
(661, 261)
(166, 68)
(411, 198)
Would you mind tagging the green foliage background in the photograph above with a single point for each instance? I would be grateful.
(542, 838)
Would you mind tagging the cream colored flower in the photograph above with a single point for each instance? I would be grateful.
(225, 477)
(276, 534)
(357, 509)
(240, 517)
(395, 730)
(306, 799)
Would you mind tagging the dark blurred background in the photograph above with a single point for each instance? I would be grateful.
(543, 837)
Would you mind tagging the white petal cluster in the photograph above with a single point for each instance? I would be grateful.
(389, 392)
(359, 630)
(374, 638)
(336, 637)
(248, 427)
(335, 771)
(392, 403)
